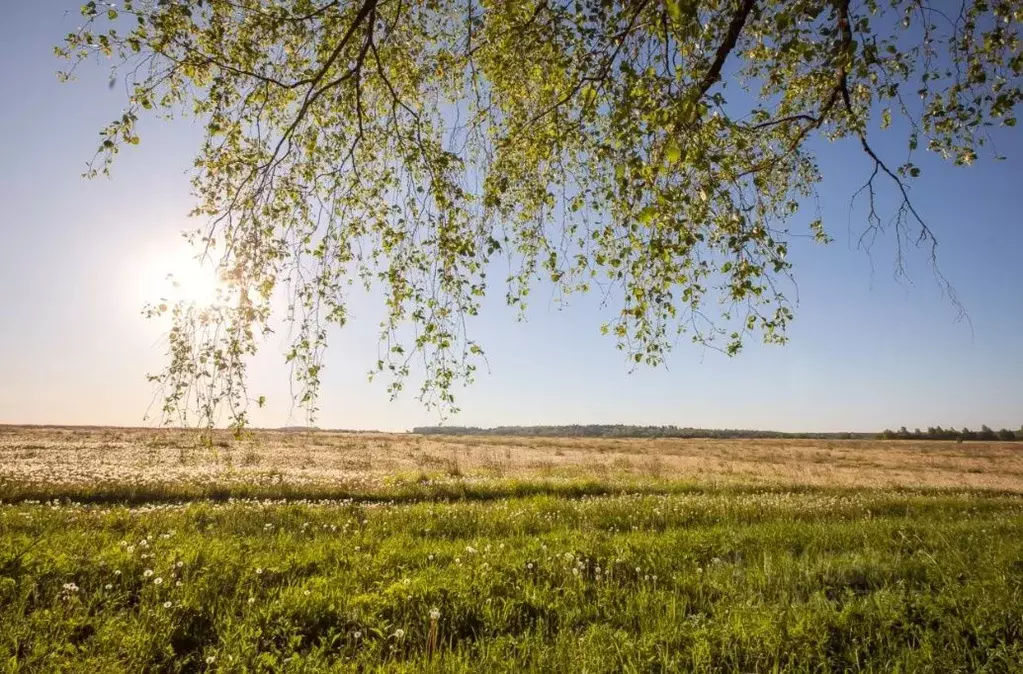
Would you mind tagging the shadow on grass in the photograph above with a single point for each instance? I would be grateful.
(416, 491)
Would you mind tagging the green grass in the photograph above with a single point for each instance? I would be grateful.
(712, 580)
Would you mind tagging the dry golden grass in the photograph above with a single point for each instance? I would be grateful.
(366, 460)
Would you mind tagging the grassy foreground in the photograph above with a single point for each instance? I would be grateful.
(723, 580)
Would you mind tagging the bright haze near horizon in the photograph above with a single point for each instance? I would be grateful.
(80, 258)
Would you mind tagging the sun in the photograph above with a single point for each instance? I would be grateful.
(179, 276)
(195, 283)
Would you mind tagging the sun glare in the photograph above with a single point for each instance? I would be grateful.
(180, 277)
(198, 285)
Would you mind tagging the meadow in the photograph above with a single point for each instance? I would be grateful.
(142, 550)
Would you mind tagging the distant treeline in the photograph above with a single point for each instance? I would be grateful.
(939, 433)
(625, 431)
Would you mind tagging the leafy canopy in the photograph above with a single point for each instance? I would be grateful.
(652, 150)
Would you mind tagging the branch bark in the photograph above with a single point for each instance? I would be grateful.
(725, 48)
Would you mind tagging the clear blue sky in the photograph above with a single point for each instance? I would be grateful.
(79, 258)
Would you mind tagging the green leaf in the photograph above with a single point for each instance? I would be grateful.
(674, 10)
(673, 152)
(647, 214)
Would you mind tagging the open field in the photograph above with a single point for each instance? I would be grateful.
(547, 555)
(45, 462)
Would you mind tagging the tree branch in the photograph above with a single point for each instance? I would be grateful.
(368, 9)
(725, 48)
